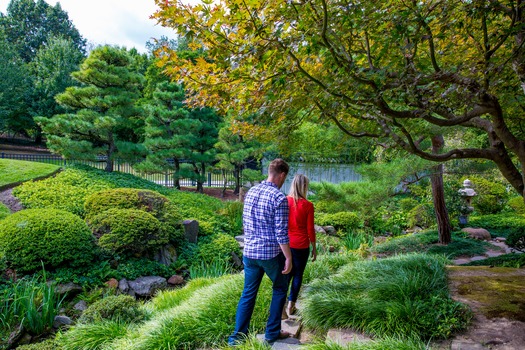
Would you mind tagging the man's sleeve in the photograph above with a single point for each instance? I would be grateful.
(281, 222)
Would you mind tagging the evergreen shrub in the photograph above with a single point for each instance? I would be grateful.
(32, 237)
(48, 344)
(516, 239)
(128, 231)
(115, 307)
(131, 198)
(491, 196)
(421, 215)
(517, 204)
(346, 221)
(219, 248)
(500, 223)
(4, 211)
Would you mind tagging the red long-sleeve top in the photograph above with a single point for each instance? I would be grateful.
(301, 223)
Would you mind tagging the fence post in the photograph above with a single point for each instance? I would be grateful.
(209, 178)
(2, 154)
(166, 179)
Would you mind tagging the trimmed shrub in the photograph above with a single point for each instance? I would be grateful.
(48, 344)
(517, 204)
(51, 237)
(128, 231)
(516, 239)
(4, 211)
(345, 220)
(501, 223)
(220, 248)
(115, 307)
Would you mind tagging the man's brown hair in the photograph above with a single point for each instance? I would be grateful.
(278, 166)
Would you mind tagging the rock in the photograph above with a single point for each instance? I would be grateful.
(237, 260)
(176, 280)
(71, 289)
(240, 238)
(80, 306)
(477, 233)
(166, 255)
(61, 321)
(500, 239)
(282, 344)
(191, 230)
(123, 286)
(292, 326)
(477, 258)
(147, 286)
(112, 283)
(319, 229)
(330, 230)
(15, 337)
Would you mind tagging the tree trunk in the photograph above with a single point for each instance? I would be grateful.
(176, 178)
(438, 195)
(109, 155)
(237, 176)
(200, 187)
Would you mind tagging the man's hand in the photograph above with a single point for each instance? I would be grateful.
(287, 266)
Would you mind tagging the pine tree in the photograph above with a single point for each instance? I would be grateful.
(103, 118)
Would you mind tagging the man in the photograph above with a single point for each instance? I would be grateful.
(266, 250)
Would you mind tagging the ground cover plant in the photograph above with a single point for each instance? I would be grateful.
(505, 260)
(428, 242)
(4, 211)
(15, 171)
(498, 224)
(402, 296)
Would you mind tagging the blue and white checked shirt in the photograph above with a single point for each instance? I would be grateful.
(265, 219)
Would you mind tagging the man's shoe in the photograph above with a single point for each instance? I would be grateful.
(282, 335)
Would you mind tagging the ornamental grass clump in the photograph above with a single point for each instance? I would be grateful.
(402, 296)
(387, 343)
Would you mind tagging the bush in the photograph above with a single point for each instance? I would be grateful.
(346, 221)
(220, 247)
(4, 211)
(233, 213)
(48, 344)
(500, 223)
(116, 307)
(128, 231)
(517, 204)
(131, 198)
(421, 215)
(135, 268)
(30, 238)
(491, 197)
(516, 239)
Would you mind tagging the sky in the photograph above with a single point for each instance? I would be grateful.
(115, 22)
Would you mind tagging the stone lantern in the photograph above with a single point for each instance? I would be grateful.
(467, 193)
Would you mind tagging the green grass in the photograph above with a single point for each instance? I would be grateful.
(428, 242)
(404, 296)
(326, 265)
(14, 171)
(376, 344)
(4, 211)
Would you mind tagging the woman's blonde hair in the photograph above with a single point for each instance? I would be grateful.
(299, 187)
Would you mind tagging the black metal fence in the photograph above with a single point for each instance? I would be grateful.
(214, 178)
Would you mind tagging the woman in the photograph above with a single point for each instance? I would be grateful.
(302, 234)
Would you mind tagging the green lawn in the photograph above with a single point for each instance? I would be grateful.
(12, 171)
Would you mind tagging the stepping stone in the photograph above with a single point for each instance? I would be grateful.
(466, 344)
(492, 253)
(292, 326)
(479, 257)
(461, 261)
(282, 344)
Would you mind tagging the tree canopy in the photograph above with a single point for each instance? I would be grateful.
(401, 72)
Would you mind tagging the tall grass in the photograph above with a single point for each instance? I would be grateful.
(327, 265)
(93, 336)
(402, 296)
(353, 241)
(29, 302)
(216, 268)
(387, 343)
(204, 319)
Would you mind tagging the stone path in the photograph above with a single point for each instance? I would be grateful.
(500, 248)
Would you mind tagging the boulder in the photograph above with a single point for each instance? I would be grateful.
(124, 287)
(112, 283)
(166, 255)
(148, 285)
(80, 306)
(176, 280)
(319, 229)
(191, 230)
(71, 289)
(477, 233)
(330, 230)
(61, 320)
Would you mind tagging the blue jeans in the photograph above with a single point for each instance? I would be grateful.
(299, 260)
(254, 271)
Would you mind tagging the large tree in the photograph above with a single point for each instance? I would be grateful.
(102, 117)
(31, 23)
(51, 71)
(402, 72)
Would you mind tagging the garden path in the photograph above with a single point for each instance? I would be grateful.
(10, 201)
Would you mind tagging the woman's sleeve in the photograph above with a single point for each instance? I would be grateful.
(310, 224)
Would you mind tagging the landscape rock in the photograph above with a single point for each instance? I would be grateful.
(191, 230)
(62, 320)
(330, 230)
(477, 233)
(71, 289)
(319, 229)
(237, 260)
(112, 283)
(148, 285)
(176, 280)
(80, 306)
(123, 286)
(166, 255)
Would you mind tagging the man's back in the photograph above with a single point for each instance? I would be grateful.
(265, 220)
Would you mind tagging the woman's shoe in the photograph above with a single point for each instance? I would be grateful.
(291, 308)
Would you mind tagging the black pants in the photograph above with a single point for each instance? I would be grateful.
(299, 260)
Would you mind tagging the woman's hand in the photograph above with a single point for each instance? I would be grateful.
(314, 254)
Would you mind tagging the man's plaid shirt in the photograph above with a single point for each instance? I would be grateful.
(265, 219)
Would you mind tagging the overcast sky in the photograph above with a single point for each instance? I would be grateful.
(115, 22)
